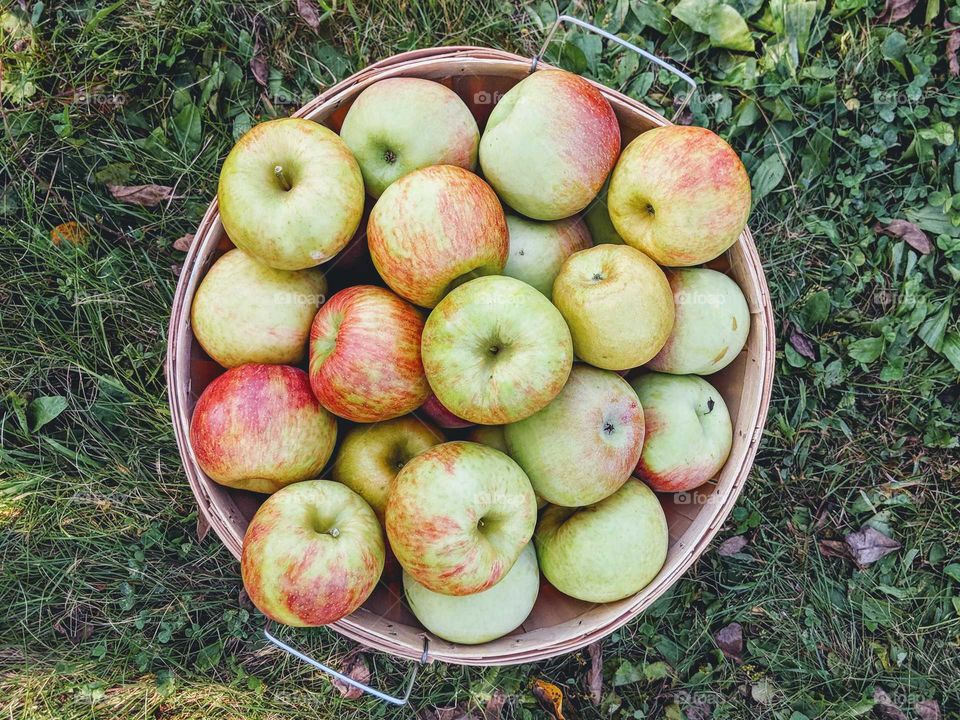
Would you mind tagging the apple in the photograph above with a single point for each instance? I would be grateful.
(606, 551)
(490, 435)
(385, 129)
(365, 355)
(435, 410)
(538, 249)
(680, 194)
(495, 351)
(688, 428)
(549, 144)
(258, 427)
(312, 554)
(618, 304)
(711, 325)
(247, 312)
(585, 444)
(290, 193)
(370, 456)
(597, 218)
(483, 616)
(458, 517)
(435, 228)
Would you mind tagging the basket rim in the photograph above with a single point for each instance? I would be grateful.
(350, 626)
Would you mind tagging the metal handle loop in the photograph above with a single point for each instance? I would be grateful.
(392, 699)
(620, 41)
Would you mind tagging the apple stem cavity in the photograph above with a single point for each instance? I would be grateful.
(389, 157)
(284, 183)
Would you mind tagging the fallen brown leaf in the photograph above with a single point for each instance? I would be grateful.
(909, 233)
(835, 548)
(494, 707)
(203, 527)
(452, 712)
(953, 48)
(183, 243)
(869, 545)
(308, 13)
(71, 232)
(732, 545)
(885, 707)
(146, 195)
(802, 344)
(550, 697)
(258, 63)
(354, 667)
(595, 673)
(896, 10)
(730, 641)
(928, 710)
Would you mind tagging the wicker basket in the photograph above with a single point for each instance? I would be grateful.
(558, 624)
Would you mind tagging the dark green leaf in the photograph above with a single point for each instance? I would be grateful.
(45, 409)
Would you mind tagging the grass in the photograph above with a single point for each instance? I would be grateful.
(115, 608)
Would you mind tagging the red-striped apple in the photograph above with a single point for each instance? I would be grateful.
(259, 427)
(365, 361)
(312, 554)
(435, 410)
(549, 145)
(459, 515)
(538, 249)
(434, 229)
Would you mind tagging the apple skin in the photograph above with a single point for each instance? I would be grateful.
(459, 515)
(305, 225)
(434, 228)
(597, 218)
(247, 312)
(483, 616)
(365, 361)
(549, 144)
(259, 427)
(585, 444)
(496, 351)
(606, 551)
(370, 456)
(435, 410)
(538, 249)
(489, 435)
(688, 428)
(711, 326)
(385, 130)
(680, 194)
(617, 303)
(312, 554)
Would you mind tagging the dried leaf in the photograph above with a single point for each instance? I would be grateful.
(243, 600)
(71, 232)
(308, 13)
(550, 697)
(732, 545)
(730, 641)
(885, 708)
(203, 527)
(927, 710)
(494, 707)
(595, 673)
(452, 712)
(146, 195)
(802, 344)
(953, 48)
(183, 243)
(698, 710)
(258, 63)
(354, 667)
(909, 233)
(869, 545)
(896, 10)
(835, 548)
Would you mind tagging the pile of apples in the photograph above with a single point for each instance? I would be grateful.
(516, 384)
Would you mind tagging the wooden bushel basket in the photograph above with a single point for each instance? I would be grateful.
(558, 624)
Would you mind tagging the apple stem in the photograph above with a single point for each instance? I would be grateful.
(334, 532)
(278, 171)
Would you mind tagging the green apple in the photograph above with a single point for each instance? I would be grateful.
(585, 444)
(496, 351)
(607, 551)
(370, 456)
(711, 326)
(483, 616)
(490, 435)
(538, 249)
(597, 218)
(290, 193)
(688, 431)
(385, 130)
(247, 312)
(618, 304)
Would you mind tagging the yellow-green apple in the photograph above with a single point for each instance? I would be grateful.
(435, 228)
(549, 144)
(606, 551)
(585, 444)
(435, 410)
(385, 130)
(491, 435)
(711, 326)
(483, 616)
(312, 554)
(258, 427)
(680, 194)
(290, 193)
(495, 350)
(618, 304)
(370, 456)
(688, 431)
(365, 355)
(597, 218)
(458, 516)
(538, 249)
(247, 312)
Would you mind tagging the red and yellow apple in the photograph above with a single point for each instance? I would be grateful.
(538, 249)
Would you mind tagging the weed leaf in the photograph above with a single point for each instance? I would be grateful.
(45, 409)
